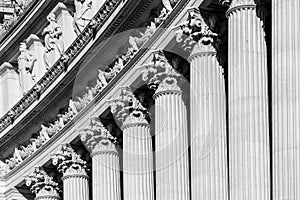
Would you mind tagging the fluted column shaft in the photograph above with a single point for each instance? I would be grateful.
(248, 103)
(286, 98)
(171, 142)
(138, 161)
(208, 126)
(76, 186)
(106, 175)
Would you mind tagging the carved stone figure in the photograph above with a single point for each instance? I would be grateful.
(72, 107)
(44, 134)
(25, 63)
(54, 43)
(137, 42)
(17, 156)
(83, 14)
(101, 80)
(3, 168)
(11, 163)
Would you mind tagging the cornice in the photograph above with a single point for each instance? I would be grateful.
(60, 66)
(94, 107)
(20, 31)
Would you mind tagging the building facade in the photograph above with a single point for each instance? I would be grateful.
(149, 99)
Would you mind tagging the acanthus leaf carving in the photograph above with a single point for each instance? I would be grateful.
(96, 137)
(160, 75)
(236, 3)
(128, 107)
(195, 31)
(41, 183)
(68, 161)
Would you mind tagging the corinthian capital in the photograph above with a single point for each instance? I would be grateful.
(236, 3)
(127, 107)
(195, 31)
(68, 161)
(97, 138)
(160, 75)
(42, 184)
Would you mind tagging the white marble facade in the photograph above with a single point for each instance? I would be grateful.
(220, 120)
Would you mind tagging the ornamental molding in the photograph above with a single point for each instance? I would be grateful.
(194, 33)
(68, 161)
(61, 65)
(41, 184)
(238, 5)
(160, 74)
(97, 138)
(127, 108)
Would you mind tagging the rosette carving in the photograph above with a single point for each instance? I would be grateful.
(68, 161)
(161, 76)
(195, 31)
(127, 107)
(42, 184)
(97, 138)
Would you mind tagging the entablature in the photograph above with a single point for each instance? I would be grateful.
(129, 76)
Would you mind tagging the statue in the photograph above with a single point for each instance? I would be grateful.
(119, 65)
(17, 156)
(83, 14)
(136, 42)
(54, 43)
(167, 5)
(3, 168)
(10, 164)
(72, 107)
(101, 80)
(25, 62)
(44, 136)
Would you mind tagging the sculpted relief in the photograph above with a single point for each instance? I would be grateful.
(83, 14)
(25, 63)
(54, 44)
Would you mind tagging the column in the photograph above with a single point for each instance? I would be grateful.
(249, 159)
(286, 99)
(36, 48)
(137, 146)
(171, 136)
(42, 185)
(65, 20)
(105, 159)
(10, 91)
(73, 168)
(208, 126)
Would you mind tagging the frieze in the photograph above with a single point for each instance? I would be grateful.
(59, 66)
(74, 107)
(20, 9)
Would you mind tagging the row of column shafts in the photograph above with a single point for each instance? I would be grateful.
(249, 143)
